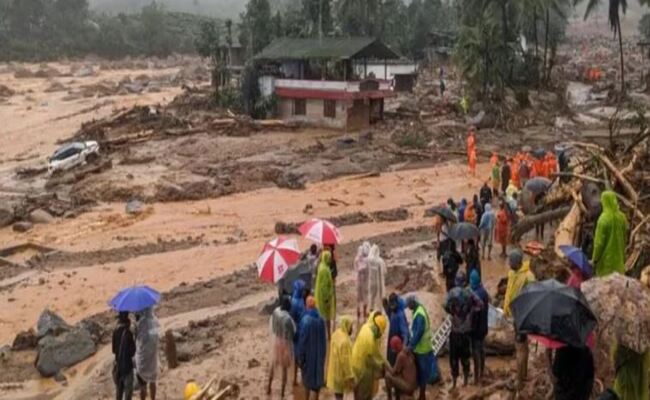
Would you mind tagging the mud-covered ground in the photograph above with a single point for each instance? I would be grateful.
(215, 187)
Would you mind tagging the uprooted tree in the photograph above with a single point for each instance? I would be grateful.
(576, 200)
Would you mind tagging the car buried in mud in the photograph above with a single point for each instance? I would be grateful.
(72, 155)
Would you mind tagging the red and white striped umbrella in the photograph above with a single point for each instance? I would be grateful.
(320, 231)
(277, 256)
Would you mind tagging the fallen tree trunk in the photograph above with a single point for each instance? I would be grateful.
(488, 391)
(528, 222)
(568, 228)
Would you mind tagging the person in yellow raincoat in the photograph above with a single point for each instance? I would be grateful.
(632, 373)
(340, 379)
(511, 189)
(324, 291)
(518, 277)
(368, 362)
(609, 241)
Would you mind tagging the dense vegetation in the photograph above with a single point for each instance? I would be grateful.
(50, 29)
(403, 26)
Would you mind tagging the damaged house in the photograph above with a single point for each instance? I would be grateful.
(326, 82)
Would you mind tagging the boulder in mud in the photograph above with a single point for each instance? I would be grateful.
(286, 228)
(394, 214)
(50, 323)
(40, 216)
(25, 340)
(6, 91)
(22, 226)
(22, 73)
(290, 180)
(6, 217)
(95, 329)
(134, 207)
(65, 350)
(84, 72)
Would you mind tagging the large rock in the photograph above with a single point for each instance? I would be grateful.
(50, 323)
(64, 350)
(22, 226)
(40, 216)
(25, 340)
(6, 217)
(95, 329)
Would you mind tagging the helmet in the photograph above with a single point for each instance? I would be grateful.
(190, 390)
(380, 321)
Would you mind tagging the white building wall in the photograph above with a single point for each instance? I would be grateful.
(267, 85)
(392, 69)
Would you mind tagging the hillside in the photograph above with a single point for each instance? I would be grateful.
(214, 8)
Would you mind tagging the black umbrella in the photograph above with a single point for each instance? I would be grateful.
(538, 185)
(539, 153)
(302, 270)
(443, 212)
(554, 310)
(464, 231)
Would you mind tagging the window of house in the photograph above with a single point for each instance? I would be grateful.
(299, 107)
(329, 108)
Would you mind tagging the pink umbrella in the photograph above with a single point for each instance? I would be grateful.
(320, 231)
(277, 256)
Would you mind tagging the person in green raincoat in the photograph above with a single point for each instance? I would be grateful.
(609, 241)
(632, 374)
(324, 291)
(368, 363)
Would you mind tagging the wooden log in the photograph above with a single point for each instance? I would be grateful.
(528, 222)
(580, 176)
(565, 233)
(170, 349)
(484, 393)
(204, 390)
(629, 189)
(222, 394)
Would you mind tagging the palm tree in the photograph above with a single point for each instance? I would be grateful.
(614, 24)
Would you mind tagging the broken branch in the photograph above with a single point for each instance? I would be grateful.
(528, 222)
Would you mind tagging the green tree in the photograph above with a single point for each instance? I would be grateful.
(644, 26)
(256, 29)
(478, 49)
(318, 16)
(155, 36)
(209, 45)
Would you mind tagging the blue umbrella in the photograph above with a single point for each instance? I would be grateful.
(578, 258)
(134, 299)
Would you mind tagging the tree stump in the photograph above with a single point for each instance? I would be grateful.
(170, 349)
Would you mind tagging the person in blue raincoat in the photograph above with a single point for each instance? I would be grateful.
(312, 349)
(461, 210)
(297, 311)
(298, 301)
(398, 325)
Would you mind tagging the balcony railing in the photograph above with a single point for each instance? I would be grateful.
(347, 86)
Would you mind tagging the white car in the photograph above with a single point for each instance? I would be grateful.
(73, 154)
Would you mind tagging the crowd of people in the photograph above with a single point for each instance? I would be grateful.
(136, 355)
(311, 336)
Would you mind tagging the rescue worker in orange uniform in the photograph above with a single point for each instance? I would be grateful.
(471, 150)
(551, 164)
(539, 169)
(472, 162)
(514, 174)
